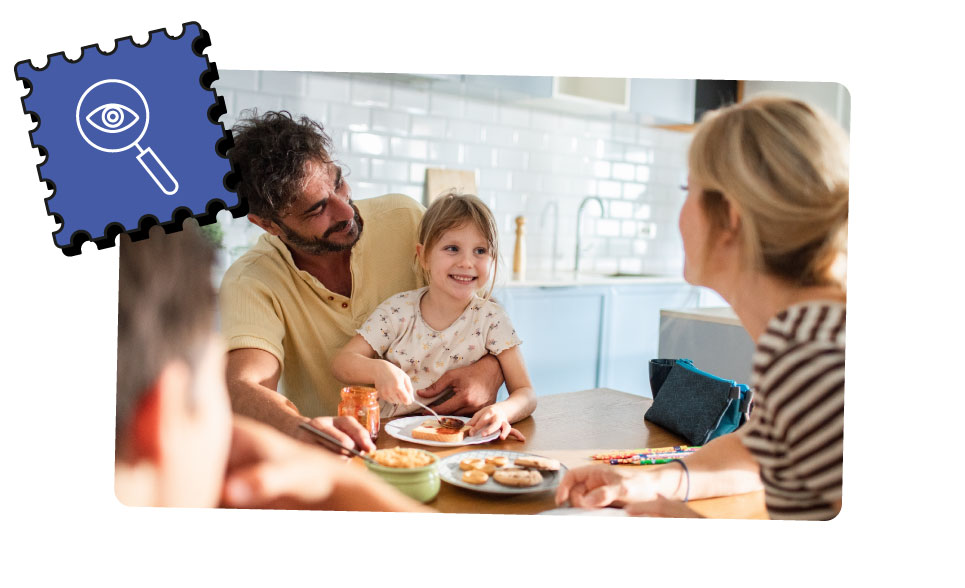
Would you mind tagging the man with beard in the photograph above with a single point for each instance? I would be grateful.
(292, 301)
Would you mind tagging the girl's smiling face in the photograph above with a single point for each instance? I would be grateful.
(459, 263)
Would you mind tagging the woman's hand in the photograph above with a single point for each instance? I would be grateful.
(393, 384)
(661, 507)
(596, 486)
(491, 419)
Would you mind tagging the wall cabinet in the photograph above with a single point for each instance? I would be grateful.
(580, 337)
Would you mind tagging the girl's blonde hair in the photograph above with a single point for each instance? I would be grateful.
(451, 211)
(784, 166)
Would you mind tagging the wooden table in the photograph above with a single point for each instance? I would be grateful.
(571, 427)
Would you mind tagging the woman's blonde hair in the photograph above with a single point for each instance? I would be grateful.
(451, 211)
(784, 166)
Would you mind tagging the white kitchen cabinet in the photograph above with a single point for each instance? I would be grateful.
(591, 336)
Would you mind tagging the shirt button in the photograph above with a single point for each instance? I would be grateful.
(345, 305)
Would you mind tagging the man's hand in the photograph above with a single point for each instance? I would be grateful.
(661, 507)
(269, 470)
(474, 387)
(346, 429)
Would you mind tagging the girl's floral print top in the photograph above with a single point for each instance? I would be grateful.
(398, 333)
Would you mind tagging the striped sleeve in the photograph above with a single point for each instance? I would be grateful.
(797, 430)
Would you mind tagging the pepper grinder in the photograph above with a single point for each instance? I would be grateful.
(519, 255)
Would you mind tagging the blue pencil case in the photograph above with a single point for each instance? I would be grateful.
(694, 404)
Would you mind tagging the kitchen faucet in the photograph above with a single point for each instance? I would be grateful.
(556, 228)
(579, 223)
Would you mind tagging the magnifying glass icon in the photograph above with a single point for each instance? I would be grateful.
(115, 113)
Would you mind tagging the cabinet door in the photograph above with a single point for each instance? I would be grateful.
(561, 333)
(633, 333)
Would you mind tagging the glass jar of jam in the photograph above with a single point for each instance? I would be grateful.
(361, 403)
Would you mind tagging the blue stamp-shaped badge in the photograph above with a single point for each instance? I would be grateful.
(131, 138)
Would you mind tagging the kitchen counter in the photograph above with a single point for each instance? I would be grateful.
(722, 314)
(568, 279)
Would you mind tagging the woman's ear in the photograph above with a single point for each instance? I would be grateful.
(731, 233)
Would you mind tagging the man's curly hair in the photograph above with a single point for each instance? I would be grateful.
(270, 152)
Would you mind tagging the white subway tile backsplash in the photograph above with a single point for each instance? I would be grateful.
(366, 93)
(625, 132)
(328, 88)
(446, 105)
(300, 106)
(546, 121)
(479, 111)
(609, 189)
(410, 100)
(390, 171)
(395, 123)
(417, 172)
(411, 148)
(479, 156)
(365, 190)
(531, 139)
(601, 169)
(351, 117)
(413, 191)
(511, 159)
(527, 182)
(237, 80)
(514, 116)
(369, 144)
(608, 227)
(499, 136)
(464, 131)
(428, 126)
(525, 157)
(291, 83)
(495, 179)
(634, 191)
(445, 153)
(354, 167)
(623, 171)
(619, 209)
(257, 101)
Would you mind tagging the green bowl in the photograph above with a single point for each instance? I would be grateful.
(420, 484)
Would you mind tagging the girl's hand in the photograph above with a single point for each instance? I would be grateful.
(491, 419)
(393, 384)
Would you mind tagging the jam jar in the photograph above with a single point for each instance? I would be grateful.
(361, 403)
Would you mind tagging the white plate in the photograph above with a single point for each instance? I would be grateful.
(449, 471)
(402, 429)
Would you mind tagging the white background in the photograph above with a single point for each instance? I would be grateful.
(59, 520)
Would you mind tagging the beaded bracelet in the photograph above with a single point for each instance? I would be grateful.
(687, 474)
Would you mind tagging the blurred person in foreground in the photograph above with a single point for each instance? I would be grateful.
(765, 225)
(177, 443)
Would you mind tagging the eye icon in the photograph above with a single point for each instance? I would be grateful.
(115, 118)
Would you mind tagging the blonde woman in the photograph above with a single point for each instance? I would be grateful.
(765, 225)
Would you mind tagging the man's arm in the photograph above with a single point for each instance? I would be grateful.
(253, 376)
(474, 386)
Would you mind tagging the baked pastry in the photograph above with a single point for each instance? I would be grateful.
(517, 477)
(537, 463)
(489, 468)
(471, 464)
(432, 430)
(475, 476)
(498, 460)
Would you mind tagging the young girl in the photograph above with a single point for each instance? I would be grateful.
(421, 334)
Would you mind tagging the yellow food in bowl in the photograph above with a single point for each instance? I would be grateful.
(403, 457)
